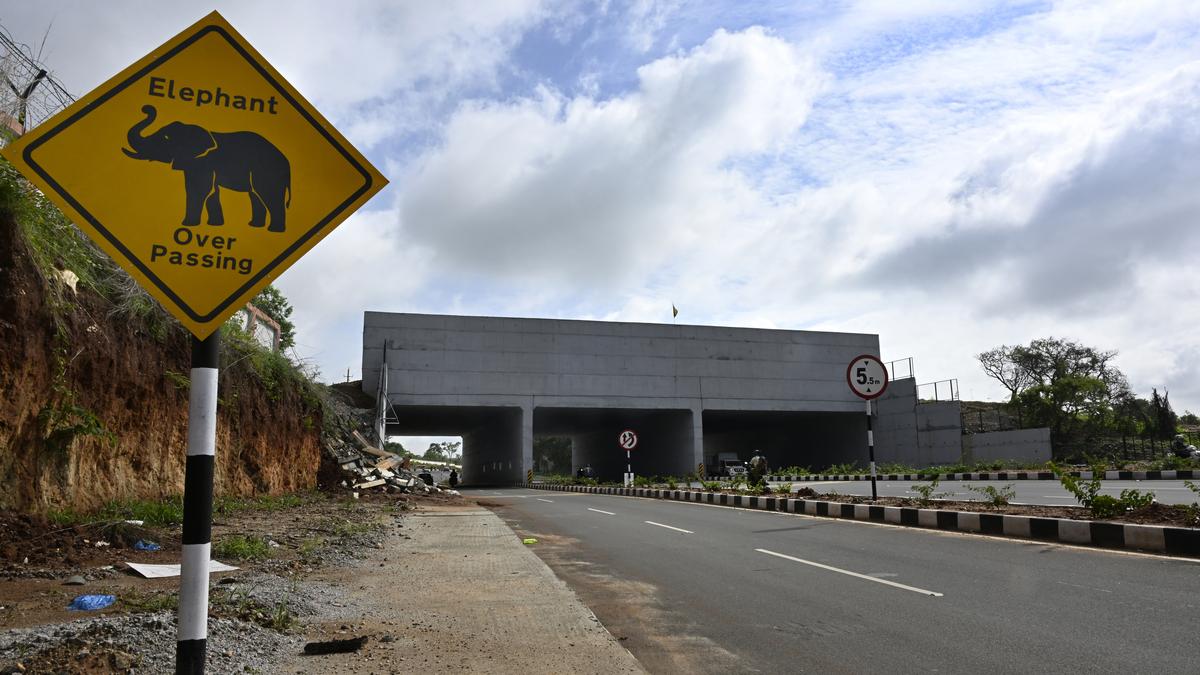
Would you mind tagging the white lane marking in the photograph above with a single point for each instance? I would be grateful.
(607, 513)
(548, 501)
(848, 572)
(677, 529)
(1089, 588)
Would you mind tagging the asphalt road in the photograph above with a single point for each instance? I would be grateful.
(1048, 492)
(698, 588)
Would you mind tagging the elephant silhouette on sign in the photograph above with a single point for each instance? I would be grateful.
(241, 161)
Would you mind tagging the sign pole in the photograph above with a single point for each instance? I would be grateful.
(192, 637)
(868, 379)
(871, 451)
(628, 464)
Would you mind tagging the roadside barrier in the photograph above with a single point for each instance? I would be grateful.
(997, 475)
(1176, 541)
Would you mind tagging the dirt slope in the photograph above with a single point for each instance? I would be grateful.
(93, 404)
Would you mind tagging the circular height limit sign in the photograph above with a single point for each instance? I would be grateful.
(867, 376)
(627, 440)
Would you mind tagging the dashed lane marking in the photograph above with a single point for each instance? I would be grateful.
(677, 529)
(548, 501)
(877, 580)
(607, 513)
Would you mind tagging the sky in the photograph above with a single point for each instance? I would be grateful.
(951, 176)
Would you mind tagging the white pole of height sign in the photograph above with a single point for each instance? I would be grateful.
(868, 379)
(628, 441)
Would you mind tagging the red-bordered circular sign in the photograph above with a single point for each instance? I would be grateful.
(627, 440)
(867, 376)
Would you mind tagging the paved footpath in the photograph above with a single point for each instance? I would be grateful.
(698, 588)
(461, 595)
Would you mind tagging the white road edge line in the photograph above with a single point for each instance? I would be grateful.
(853, 574)
(607, 513)
(677, 529)
(548, 501)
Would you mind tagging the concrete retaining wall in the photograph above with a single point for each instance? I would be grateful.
(1024, 445)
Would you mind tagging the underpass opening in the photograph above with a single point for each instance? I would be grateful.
(805, 439)
(665, 439)
(492, 449)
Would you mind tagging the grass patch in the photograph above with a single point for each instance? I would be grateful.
(225, 505)
(155, 513)
(310, 547)
(139, 601)
(242, 547)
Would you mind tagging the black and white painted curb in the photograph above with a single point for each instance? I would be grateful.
(1177, 541)
(997, 475)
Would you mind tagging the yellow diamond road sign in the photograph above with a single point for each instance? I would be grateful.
(200, 170)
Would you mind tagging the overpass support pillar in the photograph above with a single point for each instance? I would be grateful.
(526, 441)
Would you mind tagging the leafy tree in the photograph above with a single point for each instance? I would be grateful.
(1164, 419)
(1189, 417)
(273, 304)
(1061, 384)
(443, 452)
(1002, 365)
(396, 448)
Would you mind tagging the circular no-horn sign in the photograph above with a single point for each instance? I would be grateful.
(627, 440)
(867, 376)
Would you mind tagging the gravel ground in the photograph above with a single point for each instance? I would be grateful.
(139, 643)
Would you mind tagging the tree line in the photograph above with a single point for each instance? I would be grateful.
(1079, 393)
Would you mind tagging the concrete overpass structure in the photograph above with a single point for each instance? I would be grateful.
(688, 391)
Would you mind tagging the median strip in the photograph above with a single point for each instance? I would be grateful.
(1171, 540)
(839, 570)
(677, 529)
(607, 513)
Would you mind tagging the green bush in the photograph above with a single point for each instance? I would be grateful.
(894, 467)
(783, 488)
(847, 468)
(642, 481)
(711, 485)
(1087, 492)
(927, 493)
(996, 496)
(671, 484)
(759, 488)
(794, 471)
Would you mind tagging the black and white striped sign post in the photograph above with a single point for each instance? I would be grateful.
(868, 379)
(192, 637)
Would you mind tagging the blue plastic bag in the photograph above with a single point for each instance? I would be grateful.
(143, 545)
(90, 602)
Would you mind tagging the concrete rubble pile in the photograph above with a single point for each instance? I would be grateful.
(375, 469)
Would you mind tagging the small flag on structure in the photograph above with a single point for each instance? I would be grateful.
(674, 312)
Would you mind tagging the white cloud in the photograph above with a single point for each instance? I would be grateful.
(601, 191)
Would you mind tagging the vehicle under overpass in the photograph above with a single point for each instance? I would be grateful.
(688, 392)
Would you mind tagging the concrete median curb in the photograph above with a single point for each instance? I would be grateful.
(1175, 541)
(997, 475)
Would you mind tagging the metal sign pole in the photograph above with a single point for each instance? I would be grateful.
(871, 451)
(628, 463)
(192, 637)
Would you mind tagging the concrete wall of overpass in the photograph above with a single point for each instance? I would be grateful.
(591, 379)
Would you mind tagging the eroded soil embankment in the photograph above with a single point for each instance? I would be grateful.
(93, 402)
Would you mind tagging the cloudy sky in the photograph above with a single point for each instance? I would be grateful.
(950, 175)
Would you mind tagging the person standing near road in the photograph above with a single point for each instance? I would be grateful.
(453, 478)
(758, 468)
